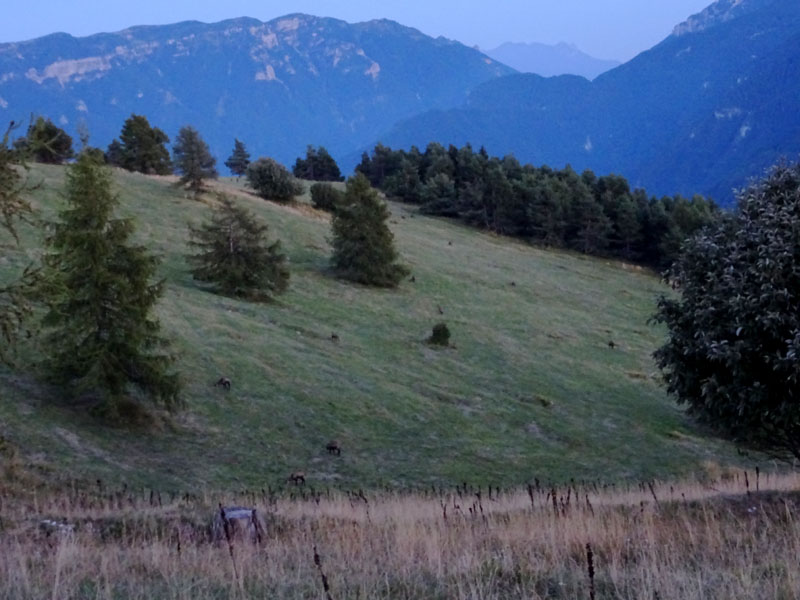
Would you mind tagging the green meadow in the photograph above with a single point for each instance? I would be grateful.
(530, 387)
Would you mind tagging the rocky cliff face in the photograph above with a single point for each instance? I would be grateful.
(720, 12)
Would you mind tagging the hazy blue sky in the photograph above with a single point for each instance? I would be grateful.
(605, 28)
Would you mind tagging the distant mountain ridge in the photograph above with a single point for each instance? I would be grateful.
(549, 61)
(278, 86)
(711, 106)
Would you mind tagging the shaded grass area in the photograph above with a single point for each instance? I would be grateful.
(530, 388)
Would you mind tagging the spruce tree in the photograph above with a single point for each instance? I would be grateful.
(114, 154)
(318, 165)
(363, 245)
(193, 160)
(141, 148)
(235, 256)
(13, 206)
(14, 304)
(102, 341)
(47, 143)
(239, 159)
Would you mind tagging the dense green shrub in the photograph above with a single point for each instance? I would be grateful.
(440, 336)
(272, 181)
(733, 348)
(325, 197)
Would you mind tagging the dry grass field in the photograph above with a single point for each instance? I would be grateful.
(736, 536)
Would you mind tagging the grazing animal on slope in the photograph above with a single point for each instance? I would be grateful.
(333, 447)
(297, 477)
(223, 382)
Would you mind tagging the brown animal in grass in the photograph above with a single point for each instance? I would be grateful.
(334, 337)
(298, 477)
(223, 382)
(333, 447)
(611, 344)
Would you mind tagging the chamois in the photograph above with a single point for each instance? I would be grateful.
(333, 447)
(297, 477)
(223, 382)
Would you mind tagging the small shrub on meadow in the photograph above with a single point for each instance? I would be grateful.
(440, 336)
(272, 181)
(325, 197)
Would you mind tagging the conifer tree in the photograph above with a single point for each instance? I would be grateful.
(113, 154)
(141, 148)
(102, 340)
(318, 165)
(13, 206)
(193, 160)
(14, 305)
(235, 256)
(239, 159)
(363, 245)
(47, 143)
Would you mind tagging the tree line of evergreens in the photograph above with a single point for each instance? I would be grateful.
(560, 208)
(598, 215)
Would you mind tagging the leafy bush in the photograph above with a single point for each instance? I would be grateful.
(733, 351)
(325, 197)
(440, 336)
(272, 181)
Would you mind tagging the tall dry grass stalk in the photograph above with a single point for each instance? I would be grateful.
(703, 541)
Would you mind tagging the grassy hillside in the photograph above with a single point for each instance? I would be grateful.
(531, 388)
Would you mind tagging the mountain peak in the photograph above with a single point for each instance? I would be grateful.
(721, 11)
